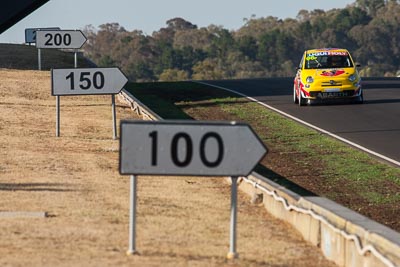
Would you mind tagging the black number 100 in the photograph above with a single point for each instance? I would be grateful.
(186, 140)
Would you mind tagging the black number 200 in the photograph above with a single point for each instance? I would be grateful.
(58, 39)
(185, 139)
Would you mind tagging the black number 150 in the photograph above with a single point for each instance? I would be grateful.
(186, 140)
(86, 81)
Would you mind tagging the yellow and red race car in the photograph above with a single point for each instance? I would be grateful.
(324, 74)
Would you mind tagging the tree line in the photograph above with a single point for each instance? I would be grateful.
(262, 47)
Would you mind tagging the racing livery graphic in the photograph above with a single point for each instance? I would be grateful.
(331, 73)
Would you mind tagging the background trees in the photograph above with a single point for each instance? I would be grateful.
(262, 47)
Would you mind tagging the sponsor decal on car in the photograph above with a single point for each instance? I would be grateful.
(312, 56)
(332, 73)
(332, 94)
(308, 58)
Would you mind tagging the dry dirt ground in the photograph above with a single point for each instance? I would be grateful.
(74, 178)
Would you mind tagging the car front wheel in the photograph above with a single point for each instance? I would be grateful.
(301, 100)
(359, 99)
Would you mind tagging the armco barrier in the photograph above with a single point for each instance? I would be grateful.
(344, 236)
(138, 106)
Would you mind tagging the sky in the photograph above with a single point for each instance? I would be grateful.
(151, 15)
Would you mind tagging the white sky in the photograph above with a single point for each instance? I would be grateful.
(151, 15)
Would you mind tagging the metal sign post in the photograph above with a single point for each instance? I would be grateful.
(132, 218)
(189, 148)
(75, 59)
(232, 254)
(58, 116)
(87, 81)
(39, 59)
(114, 117)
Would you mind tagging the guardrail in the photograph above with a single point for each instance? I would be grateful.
(137, 106)
(344, 236)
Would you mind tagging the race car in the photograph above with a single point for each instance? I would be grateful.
(326, 74)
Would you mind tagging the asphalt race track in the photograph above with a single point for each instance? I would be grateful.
(374, 125)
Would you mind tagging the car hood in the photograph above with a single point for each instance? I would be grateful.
(328, 73)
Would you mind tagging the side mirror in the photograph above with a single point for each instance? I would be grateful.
(358, 65)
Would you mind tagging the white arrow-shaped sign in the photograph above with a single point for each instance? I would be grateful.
(189, 148)
(87, 81)
(62, 39)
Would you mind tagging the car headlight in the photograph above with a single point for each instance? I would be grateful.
(309, 79)
(352, 78)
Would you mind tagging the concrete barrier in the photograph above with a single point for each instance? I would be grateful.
(344, 236)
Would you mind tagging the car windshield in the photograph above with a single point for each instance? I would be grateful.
(325, 61)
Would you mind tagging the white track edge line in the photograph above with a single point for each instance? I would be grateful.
(307, 124)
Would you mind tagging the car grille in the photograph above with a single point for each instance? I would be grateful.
(331, 83)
